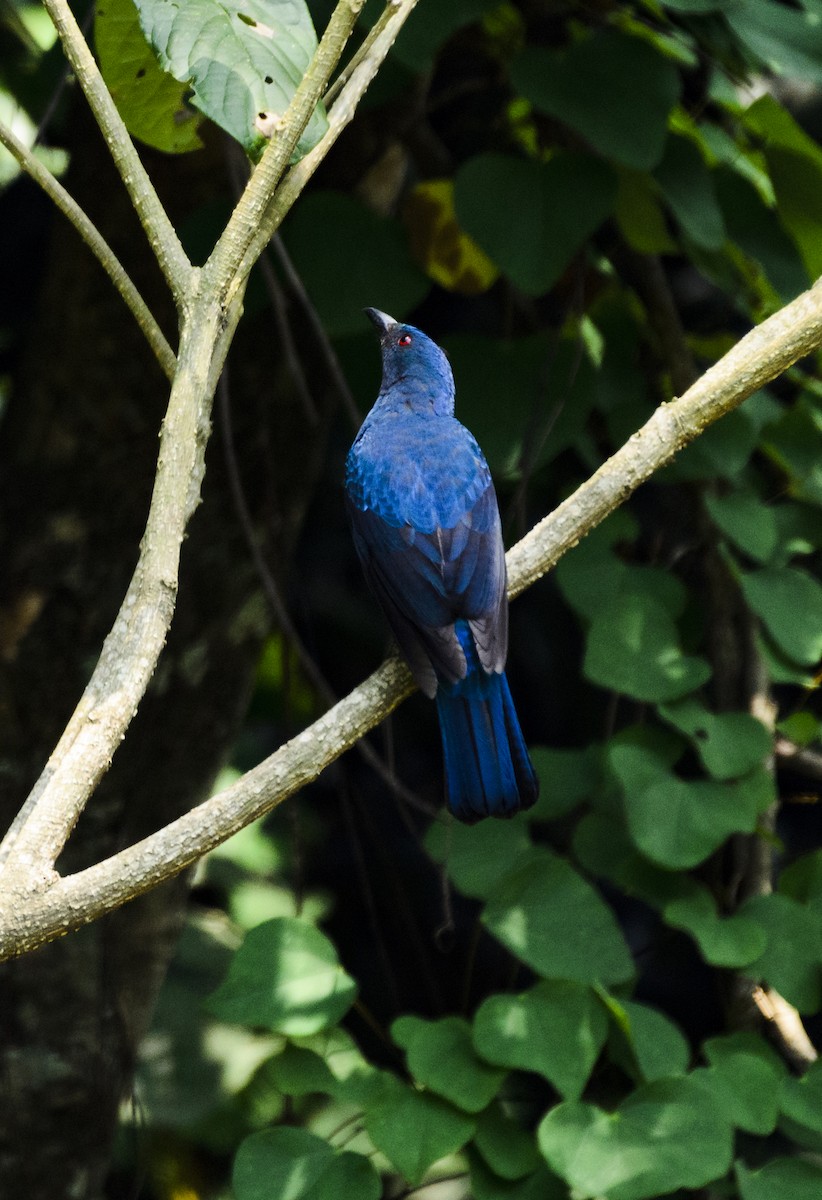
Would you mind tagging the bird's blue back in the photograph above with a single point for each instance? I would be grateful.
(426, 527)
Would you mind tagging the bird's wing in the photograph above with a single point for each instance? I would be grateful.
(425, 581)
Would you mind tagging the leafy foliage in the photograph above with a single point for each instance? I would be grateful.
(611, 221)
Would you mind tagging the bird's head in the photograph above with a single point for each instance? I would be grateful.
(414, 369)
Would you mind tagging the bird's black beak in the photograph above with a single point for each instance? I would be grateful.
(380, 320)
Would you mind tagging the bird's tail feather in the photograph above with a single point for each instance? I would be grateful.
(487, 768)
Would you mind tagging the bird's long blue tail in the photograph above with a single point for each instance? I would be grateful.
(487, 768)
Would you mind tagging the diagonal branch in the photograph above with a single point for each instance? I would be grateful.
(221, 270)
(29, 920)
(97, 244)
(153, 217)
(358, 76)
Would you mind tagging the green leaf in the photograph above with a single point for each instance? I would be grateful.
(286, 977)
(679, 823)
(787, 40)
(801, 728)
(745, 1077)
(566, 778)
(325, 236)
(666, 1135)
(795, 166)
(794, 441)
(689, 189)
(293, 1164)
(792, 959)
(244, 64)
(441, 1056)
(478, 856)
(329, 1063)
(542, 1185)
(658, 1048)
(789, 602)
(780, 1179)
(639, 214)
(729, 744)
(559, 204)
(732, 941)
(531, 911)
(756, 230)
(634, 649)
(802, 880)
(801, 1101)
(414, 1130)
(557, 1029)
(508, 1149)
(750, 524)
(151, 103)
(641, 86)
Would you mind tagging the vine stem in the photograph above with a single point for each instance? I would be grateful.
(29, 920)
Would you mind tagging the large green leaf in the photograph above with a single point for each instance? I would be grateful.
(781, 1179)
(508, 1149)
(794, 441)
(795, 165)
(676, 822)
(655, 1045)
(242, 62)
(732, 941)
(787, 40)
(750, 524)
(478, 856)
(286, 977)
(755, 228)
(413, 1129)
(151, 103)
(634, 648)
(729, 744)
(745, 1077)
(557, 1028)
(558, 205)
(293, 1164)
(789, 602)
(534, 907)
(640, 85)
(689, 189)
(349, 258)
(792, 959)
(666, 1135)
(442, 1057)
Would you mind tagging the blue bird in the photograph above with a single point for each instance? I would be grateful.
(427, 531)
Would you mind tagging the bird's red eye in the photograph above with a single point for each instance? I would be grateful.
(405, 340)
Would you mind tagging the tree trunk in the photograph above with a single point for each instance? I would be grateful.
(78, 444)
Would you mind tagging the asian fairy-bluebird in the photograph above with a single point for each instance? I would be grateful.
(427, 531)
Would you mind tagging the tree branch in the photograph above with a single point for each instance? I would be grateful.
(368, 61)
(153, 217)
(221, 270)
(29, 920)
(97, 244)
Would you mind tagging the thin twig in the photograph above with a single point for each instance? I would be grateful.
(223, 269)
(153, 217)
(386, 30)
(97, 244)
